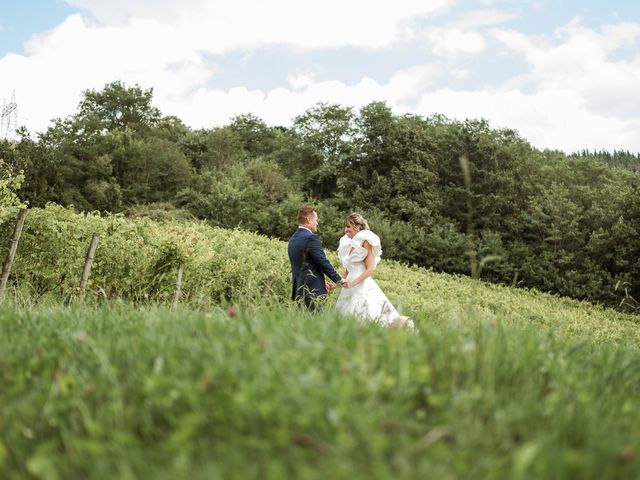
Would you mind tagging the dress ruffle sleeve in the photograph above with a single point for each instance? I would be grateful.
(373, 240)
(351, 250)
(344, 248)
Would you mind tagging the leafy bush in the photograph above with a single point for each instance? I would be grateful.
(137, 259)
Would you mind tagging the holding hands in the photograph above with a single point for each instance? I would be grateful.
(331, 286)
(344, 283)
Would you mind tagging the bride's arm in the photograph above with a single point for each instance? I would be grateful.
(368, 264)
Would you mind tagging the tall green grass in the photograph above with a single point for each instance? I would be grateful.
(114, 391)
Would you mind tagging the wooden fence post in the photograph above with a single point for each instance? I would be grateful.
(8, 260)
(91, 254)
(176, 297)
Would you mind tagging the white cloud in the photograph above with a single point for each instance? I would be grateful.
(75, 57)
(555, 119)
(464, 34)
(580, 62)
(459, 73)
(406, 86)
(118, 12)
(218, 26)
(483, 18)
(451, 41)
(300, 81)
(210, 107)
(206, 108)
(572, 96)
(161, 44)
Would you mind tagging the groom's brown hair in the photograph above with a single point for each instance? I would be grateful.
(304, 214)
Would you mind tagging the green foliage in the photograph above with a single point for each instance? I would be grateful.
(44, 177)
(161, 211)
(118, 107)
(270, 178)
(256, 137)
(577, 240)
(254, 196)
(226, 198)
(326, 133)
(394, 169)
(159, 172)
(617, 158)
(223, 147)
(116, 150)
(138, 258)
(9, 184)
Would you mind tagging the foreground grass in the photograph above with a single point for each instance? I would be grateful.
(118, 392)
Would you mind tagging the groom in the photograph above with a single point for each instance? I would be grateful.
(309, 264)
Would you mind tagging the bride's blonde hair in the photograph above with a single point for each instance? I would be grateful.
(357, 221)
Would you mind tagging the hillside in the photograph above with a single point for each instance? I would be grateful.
(495, 383)
(137, 260)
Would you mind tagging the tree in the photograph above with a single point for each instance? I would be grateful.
(256, 137)
(35, 161)
(393, 166)
(117, 107)
(156, 172)
(223, 148)
(326, 132)
(10, 183)
(99, 152)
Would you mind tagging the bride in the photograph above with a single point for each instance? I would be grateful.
(359, 251)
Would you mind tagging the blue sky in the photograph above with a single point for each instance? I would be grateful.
(565, 75)
(19, 20)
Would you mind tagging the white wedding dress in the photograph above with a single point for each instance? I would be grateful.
(366, 300)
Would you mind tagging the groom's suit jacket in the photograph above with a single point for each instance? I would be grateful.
(309, 265)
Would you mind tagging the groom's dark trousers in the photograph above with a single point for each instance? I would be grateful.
(309, 265)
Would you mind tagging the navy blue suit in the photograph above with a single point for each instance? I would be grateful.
(309, 265)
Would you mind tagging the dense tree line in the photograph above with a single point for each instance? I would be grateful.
(617, 158)
(459, 197)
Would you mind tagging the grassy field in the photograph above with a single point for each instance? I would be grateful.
(495, 383)
(116, 391)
